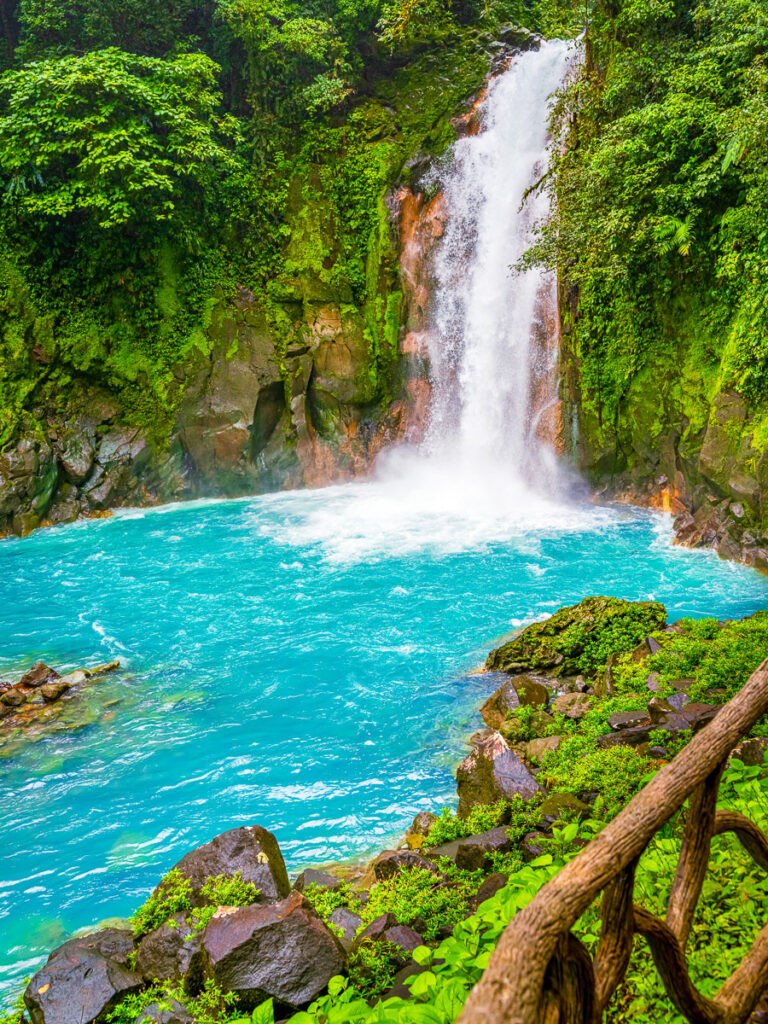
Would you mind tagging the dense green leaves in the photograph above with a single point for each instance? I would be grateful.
(660, 191)
(121, 140)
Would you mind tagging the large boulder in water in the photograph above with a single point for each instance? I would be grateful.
(83, 979)
(251, 850)
(569, 642)
(493, 772)
(279, 950)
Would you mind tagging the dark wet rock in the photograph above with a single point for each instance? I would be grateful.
(76, 454)
(83, 979)
(39, 674)
(751, 751)
(658, 753)
(13, 698)
(348, 921)
(490, 886)
(422, 824)
(251, 850)
(387, 928)
(474, 853)
(493, 772)
(474, 849)
(659, 709)
(171, 1011)
(391, 862)
(628, 719)
(533, 845)
(522, 690)
(698, 715)
(530, 691)
(314, 876)
(678, 700)
(588, 796)
(280, 950)
(170, 951)
(625, 738)
(561, 804)
(572, 705)
(535, 750)
(52, 691)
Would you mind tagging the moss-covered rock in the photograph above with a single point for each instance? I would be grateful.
(580, 638)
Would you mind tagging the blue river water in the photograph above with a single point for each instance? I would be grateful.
(299, 660)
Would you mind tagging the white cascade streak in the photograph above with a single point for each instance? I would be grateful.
(485, 316)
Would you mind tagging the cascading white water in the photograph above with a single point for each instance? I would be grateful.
(481, 475)
(485, 321)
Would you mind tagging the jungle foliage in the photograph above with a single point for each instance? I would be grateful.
(151, 159)
(661, 189)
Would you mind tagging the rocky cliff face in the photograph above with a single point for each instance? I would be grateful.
(679, 442)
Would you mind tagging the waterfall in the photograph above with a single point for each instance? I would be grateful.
(488, 341)
(484, 471)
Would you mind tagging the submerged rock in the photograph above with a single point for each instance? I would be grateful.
(39, 674)
(280, 950)
(83, 979)
(251, 850)
(52, 691)
(493, 772)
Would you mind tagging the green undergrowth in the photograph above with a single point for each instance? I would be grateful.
(174, 895)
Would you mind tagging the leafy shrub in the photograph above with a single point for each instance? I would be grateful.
(325, 901)
(171, 896)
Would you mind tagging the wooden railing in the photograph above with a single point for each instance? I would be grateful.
(542, 974)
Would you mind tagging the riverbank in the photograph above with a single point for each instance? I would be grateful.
(592, 700)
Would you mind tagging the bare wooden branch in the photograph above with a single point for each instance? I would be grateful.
(569, 983)
(616, 936)
(694, 857)
(670, 962)
(748, 834)
(510, 991)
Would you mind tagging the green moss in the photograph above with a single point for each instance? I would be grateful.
(580, 638)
